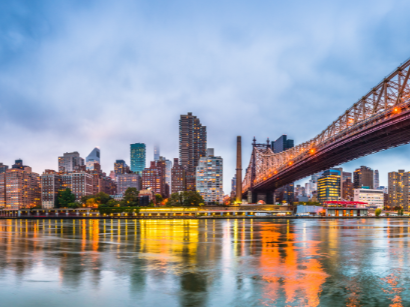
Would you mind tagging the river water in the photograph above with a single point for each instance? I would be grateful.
(358, 262)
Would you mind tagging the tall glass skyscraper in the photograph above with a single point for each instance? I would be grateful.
(138, 156)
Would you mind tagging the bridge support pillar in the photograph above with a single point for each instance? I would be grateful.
(270, 198)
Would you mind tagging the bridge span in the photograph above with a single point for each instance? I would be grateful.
(378, 121)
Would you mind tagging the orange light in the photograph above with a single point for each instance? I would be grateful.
(290, 163)
(396, 110)
(312, 151)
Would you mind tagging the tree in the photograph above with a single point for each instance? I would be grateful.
(65, 198)
(92, 202)
(102, 198)
(378, 211)
(111, 203)
(176, 199)
(74, 205)
(85, 198)
(158, 198)
(130, 198)
(192, 198)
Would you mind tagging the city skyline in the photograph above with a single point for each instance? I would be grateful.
(48, 111)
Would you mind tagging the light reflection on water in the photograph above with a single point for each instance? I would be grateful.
(204, 262)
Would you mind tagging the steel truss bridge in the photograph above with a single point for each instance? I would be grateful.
(378, 121)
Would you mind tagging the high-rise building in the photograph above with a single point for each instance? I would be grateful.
(399, 185)
(154, 177)
(281, 144)
(192, 146)
(3, 168)
(156, 153)
(285, 194)
(70, 161)
(363, 177)
(209, 177)
(233, 186)
(347, 190)
(376, 182)
(168, 167)
(120, 167)
(19, 187)
(138, 155)
(178, 177)
(92, 158)
(328, 186)
(125, 181)
(51, 184)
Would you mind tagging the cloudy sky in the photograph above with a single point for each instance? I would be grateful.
(80, 74)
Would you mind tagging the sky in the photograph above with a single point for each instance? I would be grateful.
(79, 74)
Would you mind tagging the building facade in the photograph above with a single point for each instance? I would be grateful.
(3, 168)
(329, 186)
(192, 146)
(363, 177)
(376, 181)
(153, 177)
(178, 177)
(125, 181)
(120, 167)
(51, 184)
(138, 157)
(80, 183)
(19, 188)
(373, 198)
(209, 178)
(92, 158)
(70, 161)
(398, 189)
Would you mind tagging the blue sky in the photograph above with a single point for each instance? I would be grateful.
(80, 74)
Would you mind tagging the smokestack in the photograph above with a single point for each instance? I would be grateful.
(239, 170)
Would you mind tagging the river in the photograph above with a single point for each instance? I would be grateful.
(311, 262)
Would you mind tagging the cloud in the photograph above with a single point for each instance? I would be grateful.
(81, 74)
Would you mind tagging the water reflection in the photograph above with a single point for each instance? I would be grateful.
(204, 262)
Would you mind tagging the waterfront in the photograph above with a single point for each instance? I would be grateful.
(310, 262)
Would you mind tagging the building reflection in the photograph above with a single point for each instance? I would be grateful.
(215, 262)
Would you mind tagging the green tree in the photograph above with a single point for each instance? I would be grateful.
(85, 198)
(111, 203)
(74, 205)
(102, 198)
(65, 198)
(192, 198)
(158, 198)
(176, 199)
(130, 198)
(378, 212)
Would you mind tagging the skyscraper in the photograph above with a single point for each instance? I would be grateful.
(69, 161)
(120, 167)
(138, 155)
(363, 177)
(209, 177)
(156, 153)
(281, 144)
(399, 186)
(285, 193)
(92, 158)
(3, 168)
(168, 167)
(154, 177)
(376, 182)
(192, 146)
